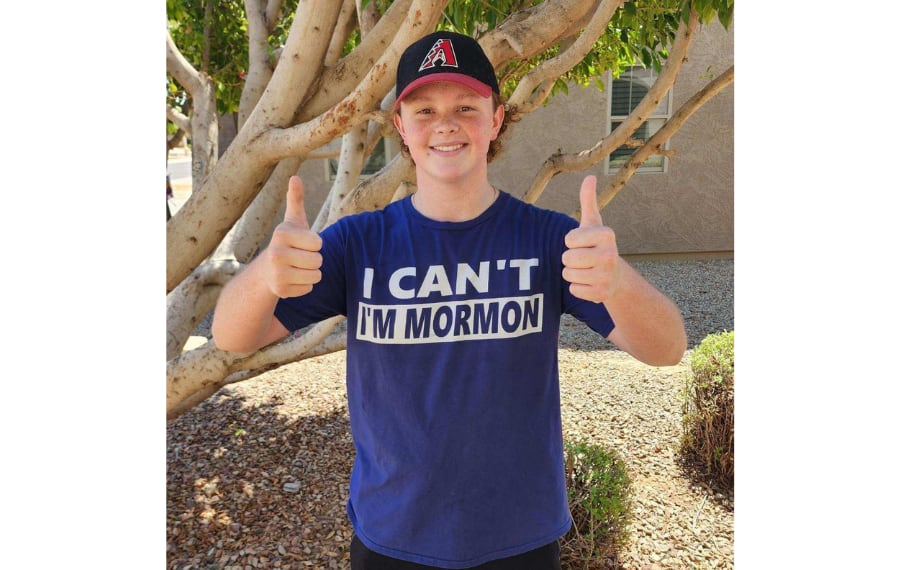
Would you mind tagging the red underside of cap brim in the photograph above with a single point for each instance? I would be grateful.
(482, 89)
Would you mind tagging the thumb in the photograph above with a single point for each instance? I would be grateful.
(294, 210)
(590, 215)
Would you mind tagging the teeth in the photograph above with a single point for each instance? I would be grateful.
(448, 148)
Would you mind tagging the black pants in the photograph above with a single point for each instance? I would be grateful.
(543, 558)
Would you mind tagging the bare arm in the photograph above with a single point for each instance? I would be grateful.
(244, 318)
(648, 324)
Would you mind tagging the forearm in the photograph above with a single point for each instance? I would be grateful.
(648, 325)
(244, 318)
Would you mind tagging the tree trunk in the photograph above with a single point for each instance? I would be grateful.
(204, 126)
(199, 226)
(311, 97)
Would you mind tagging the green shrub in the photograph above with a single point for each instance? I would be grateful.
(708, 407)
(599, 498)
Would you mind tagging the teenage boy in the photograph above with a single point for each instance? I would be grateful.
(453, 299)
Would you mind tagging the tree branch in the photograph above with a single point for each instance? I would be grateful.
(195, 375)
(207, 34)
(195, 296)
(364, 98)
(367, 17)
(375, 192)
(345, 24)
(566, 60)
(323, 154)
(215, 205)
(180, 68)
(180, 120)
(533, 30)
(298, 67)
(655, 143)
(174, 141)
(339, 198)
(260, 71)
(251, 230)
(578, 161)
(338, 81)
(204, 128)
(350, 165)
(273, 12)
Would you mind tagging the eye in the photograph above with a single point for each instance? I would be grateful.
(424, 111)
(465, 108)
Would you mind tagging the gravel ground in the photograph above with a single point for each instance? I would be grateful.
(257, 475)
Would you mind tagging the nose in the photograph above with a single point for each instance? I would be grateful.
(446, 124)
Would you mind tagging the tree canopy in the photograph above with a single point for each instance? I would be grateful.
(300, 75)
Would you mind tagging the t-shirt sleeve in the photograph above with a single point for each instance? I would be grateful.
(594, 315)
(328, 297)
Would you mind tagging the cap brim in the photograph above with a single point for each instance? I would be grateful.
(482, 89)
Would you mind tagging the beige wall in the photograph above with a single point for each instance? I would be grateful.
(688, 209)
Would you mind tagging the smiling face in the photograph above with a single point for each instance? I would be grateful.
(448, 129)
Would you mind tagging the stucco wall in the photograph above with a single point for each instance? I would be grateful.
(689, 208)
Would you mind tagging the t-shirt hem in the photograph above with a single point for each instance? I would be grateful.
(468, 563)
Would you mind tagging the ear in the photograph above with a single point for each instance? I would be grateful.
(398, 123)
(497, 121)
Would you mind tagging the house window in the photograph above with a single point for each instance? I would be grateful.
(374, 163)
(627, 92)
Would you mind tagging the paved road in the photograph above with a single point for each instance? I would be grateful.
(179, 171)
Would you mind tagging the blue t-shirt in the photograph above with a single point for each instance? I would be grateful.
(452, 376)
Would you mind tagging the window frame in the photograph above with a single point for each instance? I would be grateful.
(657, 116)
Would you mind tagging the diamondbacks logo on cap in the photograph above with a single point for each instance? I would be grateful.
(442, 50)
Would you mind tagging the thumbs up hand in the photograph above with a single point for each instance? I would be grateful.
(591, 264)
(292, 259)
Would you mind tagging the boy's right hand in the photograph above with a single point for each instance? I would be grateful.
(292, 259)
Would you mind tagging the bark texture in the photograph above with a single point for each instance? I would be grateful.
(310, 95)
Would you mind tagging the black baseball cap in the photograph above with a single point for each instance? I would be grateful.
(445, 56)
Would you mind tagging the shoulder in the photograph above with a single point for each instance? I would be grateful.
(368, 219)
(549, 219)
(364, 227)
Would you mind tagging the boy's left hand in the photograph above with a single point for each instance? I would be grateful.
(591, 264)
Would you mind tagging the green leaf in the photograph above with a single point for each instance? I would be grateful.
(726, 15)
(686, 12)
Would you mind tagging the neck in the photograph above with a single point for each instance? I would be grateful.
(454, 205)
